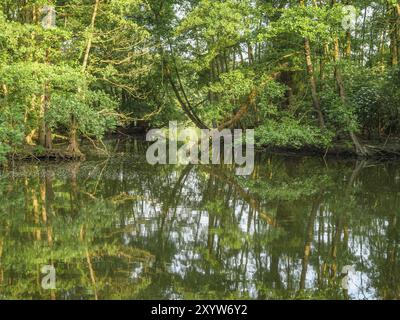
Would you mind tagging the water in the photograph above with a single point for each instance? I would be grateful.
(119, 228)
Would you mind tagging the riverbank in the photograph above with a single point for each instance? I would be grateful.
(343, 149)
(377, 150)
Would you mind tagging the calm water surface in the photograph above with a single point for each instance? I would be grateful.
(119, 228)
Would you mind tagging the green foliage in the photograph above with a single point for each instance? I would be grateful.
(342, 117)
(312, 22)
(94, 110)
(289, 132)
(69, 94)
(375, 97)
(283, 128)
(218, 25)
(265, 65)
(5, 141)
(41, 75)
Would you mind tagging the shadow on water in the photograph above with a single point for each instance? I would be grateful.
(120, 228)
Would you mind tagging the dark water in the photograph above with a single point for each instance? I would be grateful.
(118, 228)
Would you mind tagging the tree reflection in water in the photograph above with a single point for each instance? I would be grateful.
(120, 228)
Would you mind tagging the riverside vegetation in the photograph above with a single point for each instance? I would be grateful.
(288, 69)
(78, 76)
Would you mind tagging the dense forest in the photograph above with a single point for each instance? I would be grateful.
(301, 73)
(80, 77)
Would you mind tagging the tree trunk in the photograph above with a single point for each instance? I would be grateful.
(45, 135)
(73, 147)
(91, 34)
(348, 44)
(311, 76)
(394, 42)
(47, 129)
(363, 37)
(73, 139)
(313, 83)
(250, 53)
(49, 139)
(347, 51)
(360, 149)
